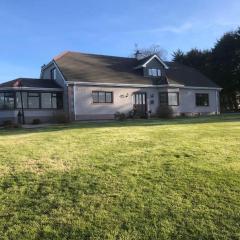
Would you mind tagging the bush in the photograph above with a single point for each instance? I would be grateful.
(61, 118)
(120, 116)
(132, 114)
(36, 121)
(165, 112)
(10, 124)
(7, 123)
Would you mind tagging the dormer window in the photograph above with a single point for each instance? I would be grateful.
(154, 72)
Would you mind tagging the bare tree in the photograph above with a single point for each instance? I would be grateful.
(153, 49)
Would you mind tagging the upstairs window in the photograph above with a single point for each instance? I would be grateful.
(53, 74)
(169, 99)
(154, 72)
(202, 99)
(102, 97)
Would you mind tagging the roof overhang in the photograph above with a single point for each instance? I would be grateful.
(121, 84)
(30, 89)
(69, 83)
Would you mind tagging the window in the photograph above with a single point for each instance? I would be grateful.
(33, 100)
(24, 99)
(59, 100)
(154, 72)
(109, 97)
(46, 100)
(163, 98)
(102, 97)
(169, 99)
(7, 100)
(139, 98)
(1, 100)
(54, 101)
(173, 99)
(51, 100)
(202, 99)
(53, 74)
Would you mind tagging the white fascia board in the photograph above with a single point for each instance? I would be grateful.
(159, 59)
(121, 84)
(44, 67)
(55, 64)
(47, 65)
(139, 85)
(203, 88)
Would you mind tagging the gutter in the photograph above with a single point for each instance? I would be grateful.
(138, 85)
(120, 84)
(31, 89)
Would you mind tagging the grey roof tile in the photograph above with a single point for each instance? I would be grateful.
(30, 82)
(81, 67)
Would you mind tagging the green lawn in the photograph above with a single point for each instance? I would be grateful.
(176, 179)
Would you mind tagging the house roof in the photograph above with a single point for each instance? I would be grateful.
(81, 67)
(30, 83)
(187, 76)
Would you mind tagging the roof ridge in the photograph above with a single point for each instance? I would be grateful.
(90, 54)
(61, 55)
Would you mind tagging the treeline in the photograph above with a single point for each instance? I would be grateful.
(221, 64)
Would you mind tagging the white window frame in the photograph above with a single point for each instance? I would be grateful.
(154, 72)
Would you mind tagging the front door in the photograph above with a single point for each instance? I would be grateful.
(140, 103)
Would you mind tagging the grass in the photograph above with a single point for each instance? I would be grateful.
(176, 179)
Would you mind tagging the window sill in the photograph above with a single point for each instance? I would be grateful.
(202, 106)
(102, 103)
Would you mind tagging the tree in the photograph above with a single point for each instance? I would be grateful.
(221, 64)
(153, 49)
(226, 66)
(178, 56)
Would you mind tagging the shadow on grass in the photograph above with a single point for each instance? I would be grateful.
(129, 123)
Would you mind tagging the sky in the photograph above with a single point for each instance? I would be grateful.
(32, 32)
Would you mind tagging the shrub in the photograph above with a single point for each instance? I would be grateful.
(36, 121)
(61, 118)
(120, 116)
(7, 123)
(165, 112)
(132, 114)
(10, 124)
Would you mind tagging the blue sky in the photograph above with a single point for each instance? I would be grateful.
(32, 32)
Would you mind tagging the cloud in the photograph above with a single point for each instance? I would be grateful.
(169, 28)
(174, 29)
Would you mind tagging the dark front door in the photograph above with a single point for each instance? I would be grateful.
(140, 103)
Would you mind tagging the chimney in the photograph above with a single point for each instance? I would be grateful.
(138, 55)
